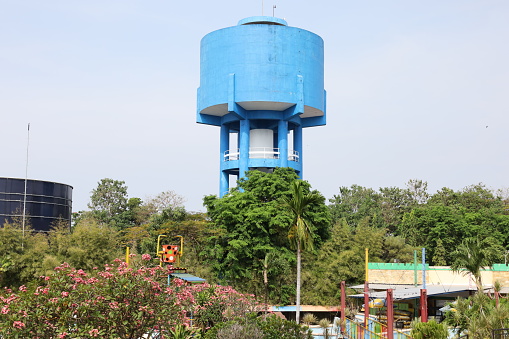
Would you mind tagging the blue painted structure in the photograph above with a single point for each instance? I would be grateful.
(262, 82)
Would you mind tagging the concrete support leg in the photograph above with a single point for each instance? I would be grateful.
(297, 146)
(282, 142)
(224, 145)
(244, 147)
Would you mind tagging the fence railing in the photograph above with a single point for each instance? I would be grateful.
(501, 333)
(375, 330)
(260, 153)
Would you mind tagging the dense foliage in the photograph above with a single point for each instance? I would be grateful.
(437, 222)
(243, 238)
(478, 316)
(266, 327)
(429, 330)
(117, 302)
(252, 224)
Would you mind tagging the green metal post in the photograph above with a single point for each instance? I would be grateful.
(415, 268)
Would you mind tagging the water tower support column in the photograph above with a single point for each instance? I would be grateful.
(297, 145)
(224, 145)
(282, 144)
(244, 147)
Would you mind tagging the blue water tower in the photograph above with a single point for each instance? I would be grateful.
(261, 82)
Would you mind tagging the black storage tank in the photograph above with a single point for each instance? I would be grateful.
(46, 202)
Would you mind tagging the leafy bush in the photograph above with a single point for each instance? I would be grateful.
(272, 327)
(240, 331)
(117, 302)
(276, 328)
(429, 330)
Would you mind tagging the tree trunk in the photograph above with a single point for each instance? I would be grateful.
(297, 302)
(266, 280)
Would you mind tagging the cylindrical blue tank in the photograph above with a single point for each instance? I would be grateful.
(264, 81)
(266, 58)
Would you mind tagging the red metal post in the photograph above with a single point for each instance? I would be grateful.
(343, 306)
(424, 305)
(389, 303)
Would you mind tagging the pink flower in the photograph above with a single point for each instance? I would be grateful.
(18, 324)
(94, 332)
(146, 257)
(62, 335)
(113, 305)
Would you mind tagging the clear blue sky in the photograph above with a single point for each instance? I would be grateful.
(416, 90)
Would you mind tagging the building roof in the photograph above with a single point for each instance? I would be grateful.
(382, 286)
(415, 292)
(304, 308)
(187, 277)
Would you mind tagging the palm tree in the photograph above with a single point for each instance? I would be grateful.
(300, 234)
(473, 254)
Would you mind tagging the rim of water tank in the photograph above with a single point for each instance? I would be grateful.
(267, 20)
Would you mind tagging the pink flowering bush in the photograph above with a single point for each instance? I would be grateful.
(117, 302)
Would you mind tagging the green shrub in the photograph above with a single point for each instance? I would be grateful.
(309, 318)
(429, 330)
(270, 327)
(276, 328)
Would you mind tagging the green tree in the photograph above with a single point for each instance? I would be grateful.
(21, 256)
(424, 225)
(249, 222)
(11, 237)
(108, 199)
(474, 254)
(439, 252)
(355, 203)
(90, 244)
(395, 249)
(417, 191)
(341, 257)
(300, 233)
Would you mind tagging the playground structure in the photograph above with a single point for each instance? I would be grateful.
(171, 254)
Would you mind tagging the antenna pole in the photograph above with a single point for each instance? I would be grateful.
(26, 179)
(273, 7)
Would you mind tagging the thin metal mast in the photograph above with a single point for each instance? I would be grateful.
(26, 179)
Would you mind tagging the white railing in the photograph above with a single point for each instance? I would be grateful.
(293, 155)
(231, 154)
(263, 153)
(260, 153)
